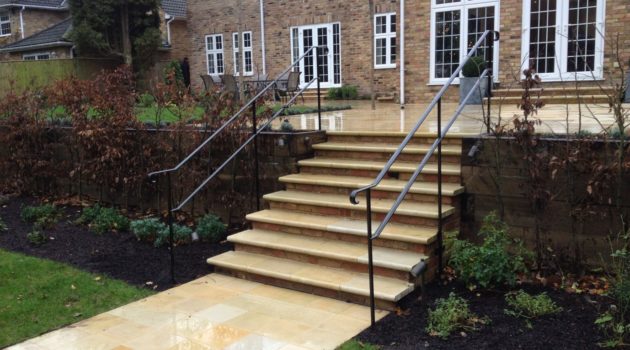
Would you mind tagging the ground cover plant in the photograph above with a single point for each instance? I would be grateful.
(42, 217)
(527, 306)
(210, 228)
(39, 295)
(101, 220)
(450, 315)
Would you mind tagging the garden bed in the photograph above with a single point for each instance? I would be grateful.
(572, 328)
(116, 254)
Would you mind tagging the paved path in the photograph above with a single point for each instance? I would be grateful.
(215, 312)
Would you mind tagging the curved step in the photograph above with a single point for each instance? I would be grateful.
(327, 248)
(353, 182)
(450, 135)
(384, 148)
(379, 205)
(387, 289)
(393, 231)
(403, 167)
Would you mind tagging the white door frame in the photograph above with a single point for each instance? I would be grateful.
(330, 42)
(561, 72)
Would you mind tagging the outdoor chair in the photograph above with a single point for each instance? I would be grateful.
(209, 83)
(293, 85)
(230, 85)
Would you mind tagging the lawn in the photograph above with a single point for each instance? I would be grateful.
(37, 296)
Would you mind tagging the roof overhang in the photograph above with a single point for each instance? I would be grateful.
(38, 46)
(37, 7)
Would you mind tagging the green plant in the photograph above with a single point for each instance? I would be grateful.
(474, 67)
(210, 228)
(527, 306)
(173, 71)
(452, 314)
(102, 219)
(357, 345)
(181, 234)
(36, 237)
(43, 216)
(491, 263)
(147, 229)
(146, 100)
(3, 226)
(346, 92)
(286, 126)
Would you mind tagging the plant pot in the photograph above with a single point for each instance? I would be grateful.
(466, 84)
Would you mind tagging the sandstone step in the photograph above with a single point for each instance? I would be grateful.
(354, 182)
(393, 231)
(393, 137)
(590, 99)
(384, 148)
(569, 90)
(336, 280)
(422, 210)
(329, 249)
(371, 168)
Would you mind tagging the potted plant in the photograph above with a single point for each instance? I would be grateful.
(471, 72)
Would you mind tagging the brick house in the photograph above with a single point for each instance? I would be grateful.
(566, 40)
(39, 29)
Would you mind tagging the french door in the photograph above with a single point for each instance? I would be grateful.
(563, 39)
(329, 62)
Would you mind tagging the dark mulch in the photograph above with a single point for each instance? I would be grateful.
(573, 328)
(116, 254)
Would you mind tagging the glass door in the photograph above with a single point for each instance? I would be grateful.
(305, 37)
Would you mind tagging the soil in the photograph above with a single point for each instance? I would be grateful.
(572, 328)
(115, 254)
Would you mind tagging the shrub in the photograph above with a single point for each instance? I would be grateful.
(36, 237)
(102, 219)
(474, 67)
(181, 234)
(146, 100)
(491, 263)
(286, 126)
(527, 306)
(43, 216)
(3, 226)
(452, 314)
(346, 92)
(210, 228)
(147, 229)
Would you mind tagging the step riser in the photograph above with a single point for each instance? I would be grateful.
(380, 242)
(322, 261)
(354, 214)
(393, 140)
(569, 92)
(385, 156)
(554, 100)
(328, 293)
(413, 197)
(373, 173)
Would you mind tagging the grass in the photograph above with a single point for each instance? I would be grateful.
(168, 115)
(301, 109)
(357, 345)
(38, 295)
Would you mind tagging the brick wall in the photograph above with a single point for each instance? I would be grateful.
(221, 17)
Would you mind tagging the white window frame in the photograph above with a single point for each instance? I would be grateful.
(215, 52)
(388, 36)
(463, 6)
(37, 56)
(562, 73)
(246, 49)
(8, 15)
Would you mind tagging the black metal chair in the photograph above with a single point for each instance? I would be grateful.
(293, 85)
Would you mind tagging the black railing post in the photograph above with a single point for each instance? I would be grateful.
(256, 164)
(368, 203)
(439, 184)
(490, 65)
(319, 88)
(170, 226)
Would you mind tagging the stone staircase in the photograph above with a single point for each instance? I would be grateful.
(312, 239)
(556, 95)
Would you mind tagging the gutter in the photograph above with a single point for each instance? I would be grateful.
(54, 8)
(262, 36)
(22, 21)
(402, 54)
(38, 46)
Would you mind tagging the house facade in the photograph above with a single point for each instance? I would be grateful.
(567, 41)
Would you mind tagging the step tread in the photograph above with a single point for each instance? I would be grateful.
(450, 135)
(379, 205)
(448, 189)
(327, 248)
(554, 89)
(324, 277)
(358, 164)
(555, 97)
(384, 148)
(394, 231)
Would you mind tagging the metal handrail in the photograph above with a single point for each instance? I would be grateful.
(425, 115)
(245, 144)
(233, 118)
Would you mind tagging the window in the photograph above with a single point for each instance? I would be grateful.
(563, 40)
(247, 54)
(385, 40)
(214, 54)
(37, 56)
(5, 24)
(456, 25)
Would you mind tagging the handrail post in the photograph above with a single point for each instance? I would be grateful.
(319, 88)
(368, 203)
(489, 53)
(170, 226)
(439, 184)
(256, 164)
